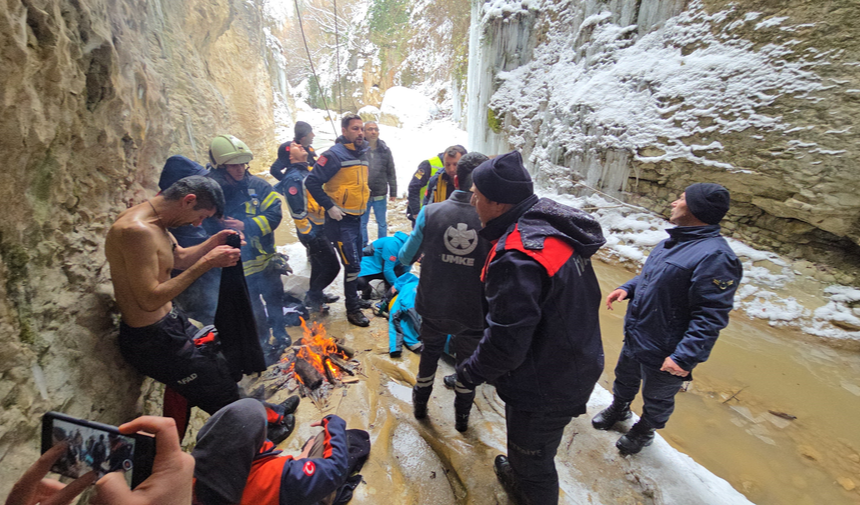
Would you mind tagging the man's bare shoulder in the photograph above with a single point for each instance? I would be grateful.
(133, 226)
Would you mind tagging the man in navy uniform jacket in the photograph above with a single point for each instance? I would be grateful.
(541, 347)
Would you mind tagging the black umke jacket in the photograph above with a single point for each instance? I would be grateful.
(541, 346)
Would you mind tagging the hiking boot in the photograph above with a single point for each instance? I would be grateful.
(290, 404)
(279, 432)
(506, 477)
(419, 404)
(617, 412)
(364, 304)
(450, 381)
(358, 318)
(327, 298)
(640, 435)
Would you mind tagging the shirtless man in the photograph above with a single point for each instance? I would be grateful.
(155, 337)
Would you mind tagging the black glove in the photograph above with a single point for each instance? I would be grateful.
(465, 378)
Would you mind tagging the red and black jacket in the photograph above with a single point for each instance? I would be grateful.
(541, 347)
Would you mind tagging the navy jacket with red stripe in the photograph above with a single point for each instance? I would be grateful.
(541, 347)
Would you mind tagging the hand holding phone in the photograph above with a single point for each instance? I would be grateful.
(33, 488)
(172, 471)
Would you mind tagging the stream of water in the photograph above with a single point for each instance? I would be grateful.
(724, 423)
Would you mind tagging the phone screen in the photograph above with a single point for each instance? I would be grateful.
(95, 446)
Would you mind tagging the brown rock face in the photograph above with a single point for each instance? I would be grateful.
(95, 95)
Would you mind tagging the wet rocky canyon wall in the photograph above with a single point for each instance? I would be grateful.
(94, 96)
(639, 99)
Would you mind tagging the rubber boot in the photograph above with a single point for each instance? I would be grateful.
(640, 435)
(506, 477)
(617, 412)
(419, 401)
(279, 432)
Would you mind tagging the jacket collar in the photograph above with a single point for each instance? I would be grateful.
(461, 196)
(497, 227)
(687, 233)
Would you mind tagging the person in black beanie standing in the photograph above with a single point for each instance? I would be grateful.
(541, 345)
(678, 305)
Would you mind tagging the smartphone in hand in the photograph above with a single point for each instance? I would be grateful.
(98, 447)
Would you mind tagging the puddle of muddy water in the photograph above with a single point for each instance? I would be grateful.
(724, 423)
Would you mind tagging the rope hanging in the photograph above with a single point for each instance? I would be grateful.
(337, 58)
(311, 63)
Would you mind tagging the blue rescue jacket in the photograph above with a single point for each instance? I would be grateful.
(682, 298)
(384, 259)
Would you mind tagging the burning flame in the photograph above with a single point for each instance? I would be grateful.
(316, 348)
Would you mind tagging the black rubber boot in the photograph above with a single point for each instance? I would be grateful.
(461, 421)
(358, 318)
(640, 435)
(279, 432)
(419, 402)
(290, 404)
(506, 477)
(450, 381)
(617, 412)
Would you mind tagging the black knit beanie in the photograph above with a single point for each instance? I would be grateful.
(504, 179)
(707, 201)
(302, 129)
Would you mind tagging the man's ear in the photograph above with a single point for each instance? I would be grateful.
(189, 200)
(456, 182)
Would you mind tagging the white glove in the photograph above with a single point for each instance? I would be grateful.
(335, 213)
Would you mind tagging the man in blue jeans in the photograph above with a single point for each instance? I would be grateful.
(382, 180)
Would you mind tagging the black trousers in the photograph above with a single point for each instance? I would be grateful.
(324, 265)
(533, 439)
(434, 334)
(345, 237)
(166, 352)
(658, 388)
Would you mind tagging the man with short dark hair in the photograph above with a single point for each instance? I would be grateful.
(450, 292)
(343, 170)
(541, 347)
(142, 253)
(678, 305)
(382, 180)
(445, 166)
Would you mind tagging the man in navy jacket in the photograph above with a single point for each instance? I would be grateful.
(678, 305)
(541, 346)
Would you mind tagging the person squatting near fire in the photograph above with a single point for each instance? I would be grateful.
(379, 262)
(291, 168)
(450, 292)
(155, 337)
(443, 185)
(678, 305)
(343, 171)
(236, 464)
(541, 347)
(381, 179)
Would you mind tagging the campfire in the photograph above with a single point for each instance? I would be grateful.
(317, 363)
